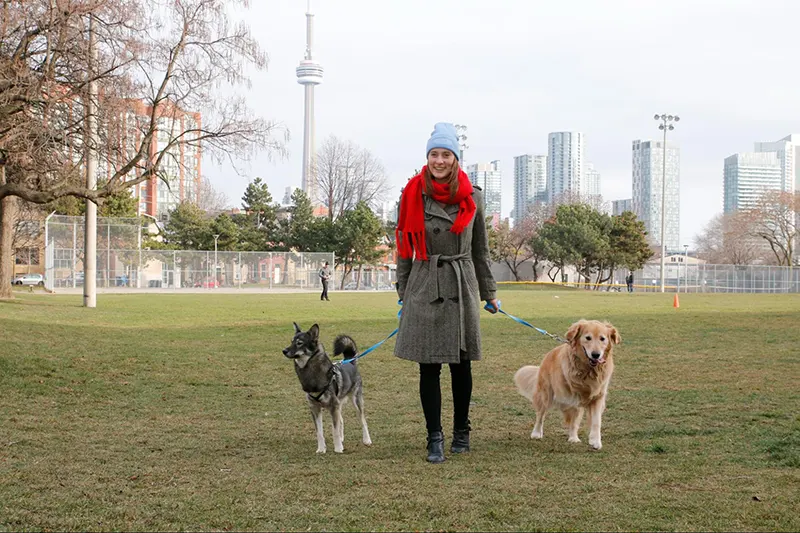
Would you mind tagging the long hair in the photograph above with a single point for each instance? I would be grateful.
(452, 179)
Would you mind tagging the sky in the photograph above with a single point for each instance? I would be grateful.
(513, 71)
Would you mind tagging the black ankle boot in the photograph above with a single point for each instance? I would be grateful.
(435, 447)
(460, 440)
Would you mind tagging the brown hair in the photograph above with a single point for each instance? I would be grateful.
(452, 179)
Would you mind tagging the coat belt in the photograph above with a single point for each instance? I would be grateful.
(435, 261)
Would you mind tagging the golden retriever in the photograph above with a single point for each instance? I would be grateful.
(573, 377)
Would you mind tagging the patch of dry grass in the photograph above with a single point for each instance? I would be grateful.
(178, 412)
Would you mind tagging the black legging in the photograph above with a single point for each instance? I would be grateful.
(430, 393)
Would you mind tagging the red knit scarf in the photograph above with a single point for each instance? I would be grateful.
(410, 231)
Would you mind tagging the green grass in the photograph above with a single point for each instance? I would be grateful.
(179, 412)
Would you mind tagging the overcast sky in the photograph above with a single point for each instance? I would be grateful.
(515, 70)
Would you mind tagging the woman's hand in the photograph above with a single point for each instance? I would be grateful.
(492, 305)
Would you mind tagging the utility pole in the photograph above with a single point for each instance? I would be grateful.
(664, 126)
(216, 268)
(6, 232)
(90, 225)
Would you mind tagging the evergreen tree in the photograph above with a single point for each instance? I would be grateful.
(188, 228)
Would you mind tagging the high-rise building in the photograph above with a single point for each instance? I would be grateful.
(565, 164)
(592, 181)
(530, 183)
(648, 160)
(309, 75)
(387, 211)
(620, 206)
(540, 178)
(287, 196)
(489, 178)
(788, 153)
(523, 185)
(748, 176)
(178, 176)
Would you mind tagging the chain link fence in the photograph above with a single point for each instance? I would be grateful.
(122, 262)
(698, 277)
(720, 278)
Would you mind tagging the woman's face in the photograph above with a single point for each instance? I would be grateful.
(440, 163)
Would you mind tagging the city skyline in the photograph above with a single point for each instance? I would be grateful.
(604, 88)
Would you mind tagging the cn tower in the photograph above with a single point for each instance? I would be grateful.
(309, 74)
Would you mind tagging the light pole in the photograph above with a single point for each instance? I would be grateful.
(216, 270)
(686, 267)
(664, 126)
(462, 145)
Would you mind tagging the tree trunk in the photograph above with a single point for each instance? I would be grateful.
(6, 238)
(512, 266)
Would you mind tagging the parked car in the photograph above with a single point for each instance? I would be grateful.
(29, 279)
(78, 280)
(207, 283)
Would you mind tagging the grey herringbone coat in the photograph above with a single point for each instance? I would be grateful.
(442, 297)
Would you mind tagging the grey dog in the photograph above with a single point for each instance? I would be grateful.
(326, 384)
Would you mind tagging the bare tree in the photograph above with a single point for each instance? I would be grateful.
(347, 174)
(512, 246)
(370, 180)
(538, 213)
(595, 201)
(728, 240)
(167, 71)
(210, 199)
(775, 220)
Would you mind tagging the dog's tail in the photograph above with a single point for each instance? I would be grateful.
(346, 346)
(525, 380)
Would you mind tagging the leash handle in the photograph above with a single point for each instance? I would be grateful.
(489, 308)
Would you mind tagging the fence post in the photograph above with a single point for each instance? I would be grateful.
(271, 272)
(240, 270)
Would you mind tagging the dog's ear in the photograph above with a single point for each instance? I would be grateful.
(574, 331)
(613, 334)
(314, 332)
(296, 328)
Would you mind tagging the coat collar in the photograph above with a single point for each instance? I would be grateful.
(432, 208)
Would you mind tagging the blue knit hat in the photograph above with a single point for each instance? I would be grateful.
(444, 136)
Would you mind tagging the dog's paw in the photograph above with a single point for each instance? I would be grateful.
(321, 450)
(339, 450)
(367, 442)
(573, 439)
(596, 444)
(537, 434)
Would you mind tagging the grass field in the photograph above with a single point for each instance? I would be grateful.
(179, 412)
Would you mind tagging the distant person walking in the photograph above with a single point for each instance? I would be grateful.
(629, 282)
(325, 275)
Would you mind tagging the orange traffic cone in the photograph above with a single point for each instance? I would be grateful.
(675, 303)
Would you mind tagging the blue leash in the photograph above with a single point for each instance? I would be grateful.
(519, 320)
(371, 348)
(487, 307)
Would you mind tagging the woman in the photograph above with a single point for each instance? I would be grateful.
(443, 272)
